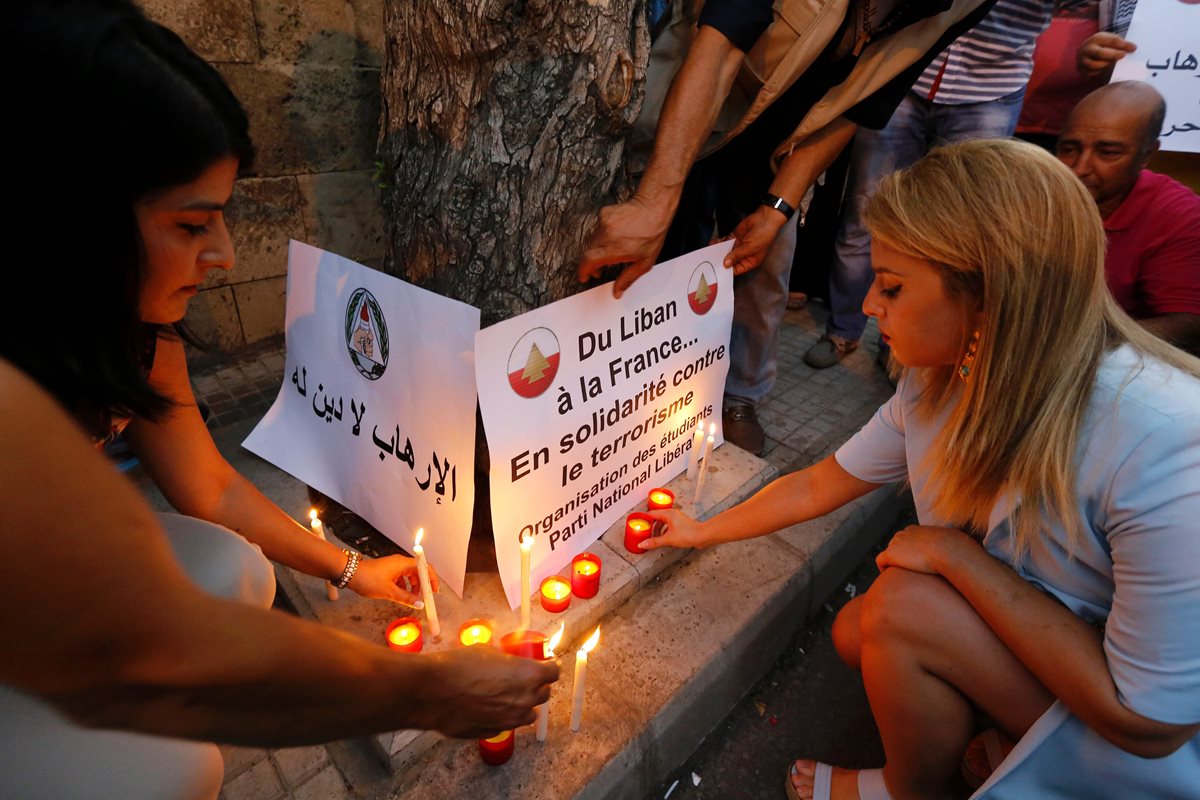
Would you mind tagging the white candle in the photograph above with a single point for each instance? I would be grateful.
(581, 660)
(708, 450)
(543, 714)
(526, 546)
(435, 628)
(694, 453)
(315, 522)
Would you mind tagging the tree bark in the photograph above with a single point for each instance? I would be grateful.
(503, 132)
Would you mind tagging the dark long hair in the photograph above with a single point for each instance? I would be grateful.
(106, 107)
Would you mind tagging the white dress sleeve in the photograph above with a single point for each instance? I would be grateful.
(877, 453)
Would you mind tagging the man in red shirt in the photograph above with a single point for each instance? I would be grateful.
(1152, 222)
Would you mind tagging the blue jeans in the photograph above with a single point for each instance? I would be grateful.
(916, 127)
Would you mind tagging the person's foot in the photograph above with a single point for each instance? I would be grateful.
(796, 301)
(741, 427)
(829, 350)
(844, 784)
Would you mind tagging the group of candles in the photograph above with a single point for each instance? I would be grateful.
(404, 635)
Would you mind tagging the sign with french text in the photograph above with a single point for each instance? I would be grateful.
(1167, 35)
(377, 407)
(590, 402)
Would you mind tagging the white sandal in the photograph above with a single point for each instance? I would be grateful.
(870, 783)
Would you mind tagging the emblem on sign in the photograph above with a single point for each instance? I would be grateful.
(366, 334)
(533, 362)
(702, 288)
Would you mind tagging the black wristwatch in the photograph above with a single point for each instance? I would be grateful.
(779, 204)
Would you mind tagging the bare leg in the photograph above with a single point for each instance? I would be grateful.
(926, 657)
(847, 633)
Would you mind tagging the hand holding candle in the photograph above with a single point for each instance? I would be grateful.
(435, 628)
(581, 662)
(638, 528)
(318, 528)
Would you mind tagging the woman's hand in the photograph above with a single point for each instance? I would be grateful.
(673, 528)
(755, 234)
(382, 579)
(920, 548)
(1100, 51)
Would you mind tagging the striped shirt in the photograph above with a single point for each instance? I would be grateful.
(991, 60)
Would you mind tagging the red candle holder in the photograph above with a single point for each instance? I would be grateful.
(404, 634)
(498, 749)
(475, 631)
(660, 499)
(585, 575)
(555, 594)
(526, 644)
(638, 528)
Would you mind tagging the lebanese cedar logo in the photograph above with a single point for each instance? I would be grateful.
(533, 362)
(366, 334)
(702, 288)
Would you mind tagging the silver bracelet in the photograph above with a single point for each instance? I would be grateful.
(352, 559)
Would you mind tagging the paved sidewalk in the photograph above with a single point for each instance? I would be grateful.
(807, 416)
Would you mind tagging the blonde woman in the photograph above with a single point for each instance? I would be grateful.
(1053, 448)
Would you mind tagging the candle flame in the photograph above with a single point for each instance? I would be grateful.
(526, 542)
(420, 535)
(712, 429)
(591, 642)
(312, 513)
(552, 645)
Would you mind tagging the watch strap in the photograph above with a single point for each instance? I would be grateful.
(779, 204)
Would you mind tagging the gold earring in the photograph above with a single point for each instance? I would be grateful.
(968, 359)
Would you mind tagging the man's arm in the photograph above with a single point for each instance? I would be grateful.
(99, 619)
(756, 233)
(633, 232)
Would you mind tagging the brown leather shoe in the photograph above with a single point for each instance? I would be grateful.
(742, 428)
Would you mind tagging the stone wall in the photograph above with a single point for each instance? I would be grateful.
(307, 72)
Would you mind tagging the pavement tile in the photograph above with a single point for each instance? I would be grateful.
(259, 782)
(239, 759)
(327, 784)
(298, 763)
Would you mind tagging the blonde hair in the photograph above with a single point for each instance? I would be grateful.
(1014, 233)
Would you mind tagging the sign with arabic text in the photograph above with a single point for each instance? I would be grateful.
(1167, 35)
(377, 407)
(590, 402)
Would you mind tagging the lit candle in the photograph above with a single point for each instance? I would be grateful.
(581, 660)
(543, 715)
(694, 453)
(556, 594)
(524, 644)
(708, 450)
(638, 528)
(330, 590)
(498, 749)
(435, 627)
(475, 631)
(526, 547)
(404, 634)
(585, 575)
(660, 499)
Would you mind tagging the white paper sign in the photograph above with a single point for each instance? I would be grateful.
(590, 402)
(1167, 35)
(377, 407)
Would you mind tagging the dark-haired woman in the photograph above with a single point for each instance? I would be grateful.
(124, 156)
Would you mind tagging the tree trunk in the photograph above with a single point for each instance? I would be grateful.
(503, 132)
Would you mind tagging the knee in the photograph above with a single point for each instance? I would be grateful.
(902, 605)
